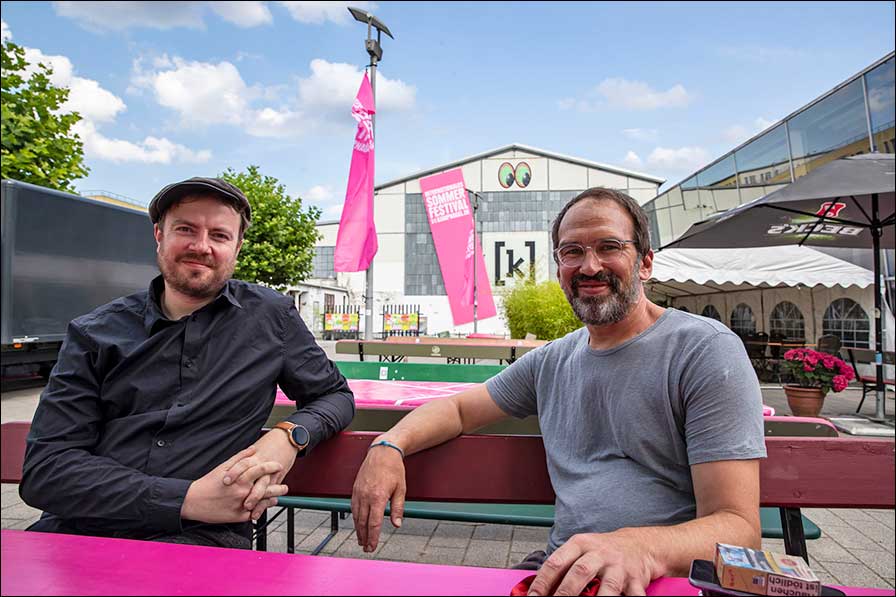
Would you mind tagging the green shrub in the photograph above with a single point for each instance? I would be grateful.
(540, 309)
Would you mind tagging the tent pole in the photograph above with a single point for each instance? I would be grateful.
(876, 231)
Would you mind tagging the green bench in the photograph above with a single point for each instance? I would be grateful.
(418, 371)
(537, 515)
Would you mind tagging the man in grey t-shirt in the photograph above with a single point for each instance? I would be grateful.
(651, 419)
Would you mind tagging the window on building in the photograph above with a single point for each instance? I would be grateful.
(834, 127)
(322, 263)
(787, 322)
(882, 106)
(846, 319)
(765, 159)
(743, 323)
(329, 302)
(711, 312)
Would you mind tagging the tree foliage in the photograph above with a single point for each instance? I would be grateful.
(279, 245)
(38, 145)
(540, 309)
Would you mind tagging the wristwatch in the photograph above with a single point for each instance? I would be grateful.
(298, 435)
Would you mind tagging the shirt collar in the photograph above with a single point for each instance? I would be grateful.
(153, 315)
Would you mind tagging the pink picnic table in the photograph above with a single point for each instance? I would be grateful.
(51, 564)
(405, 395)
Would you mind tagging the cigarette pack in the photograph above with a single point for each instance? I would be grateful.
(764, 572)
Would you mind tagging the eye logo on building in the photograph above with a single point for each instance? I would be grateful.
(507, 174)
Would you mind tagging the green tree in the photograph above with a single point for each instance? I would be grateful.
(540, 309)
(279, 245)
(38, 145)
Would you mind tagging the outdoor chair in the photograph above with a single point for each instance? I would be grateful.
(829, 343)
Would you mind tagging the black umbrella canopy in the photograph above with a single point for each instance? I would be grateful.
(848, 202)
(831, 206)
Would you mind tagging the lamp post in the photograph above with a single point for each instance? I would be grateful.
(474, 203)
(375, 51)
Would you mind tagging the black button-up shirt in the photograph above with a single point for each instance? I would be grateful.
(139, 406)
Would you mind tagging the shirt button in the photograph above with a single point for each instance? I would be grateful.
(188, 363)
(161, 443)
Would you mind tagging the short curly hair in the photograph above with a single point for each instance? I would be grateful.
(639, 217)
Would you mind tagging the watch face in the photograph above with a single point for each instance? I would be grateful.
(300, 435)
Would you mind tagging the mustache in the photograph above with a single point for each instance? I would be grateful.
(203, 259)
(604, 277)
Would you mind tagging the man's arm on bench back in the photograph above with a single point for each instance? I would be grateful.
(381, 479)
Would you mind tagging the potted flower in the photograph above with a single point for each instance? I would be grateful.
(816, 373)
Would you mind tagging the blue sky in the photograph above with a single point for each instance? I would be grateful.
(171, 90)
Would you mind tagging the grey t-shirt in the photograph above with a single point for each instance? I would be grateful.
(622, 426)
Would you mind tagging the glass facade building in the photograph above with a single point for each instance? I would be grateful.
(855, 117)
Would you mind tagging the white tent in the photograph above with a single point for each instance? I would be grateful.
(761, 278)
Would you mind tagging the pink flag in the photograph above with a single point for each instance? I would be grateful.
(451, 223)
(356, 242)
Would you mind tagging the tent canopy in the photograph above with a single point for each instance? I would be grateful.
(691, 272)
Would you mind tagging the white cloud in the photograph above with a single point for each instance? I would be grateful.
(86, 96)
(269, 122)
(202, 93)
(632, 160)
(319, 194)
(628, 95)
(332, 87)
(5, 33)
(641, 134)
(97, 105)
(681, 159)
(92, 101)
(243, 14)
(123, 15)
(737, 134)
(62, 66)
(152, 150)
(637, 95)
(320, 12)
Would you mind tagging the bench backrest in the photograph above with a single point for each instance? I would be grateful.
(418, 371)
(450, 350)
(798, 473)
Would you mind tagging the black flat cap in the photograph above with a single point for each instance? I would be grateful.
(198, 186)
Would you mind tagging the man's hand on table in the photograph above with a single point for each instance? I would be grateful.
(210, 499)
(621, 560)
(381, 479)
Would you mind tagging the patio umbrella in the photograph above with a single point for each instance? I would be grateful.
(847, 203)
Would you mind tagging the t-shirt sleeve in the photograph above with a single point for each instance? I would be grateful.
(722, 403)
(513, 390)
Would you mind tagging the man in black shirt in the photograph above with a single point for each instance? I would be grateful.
(150, 425)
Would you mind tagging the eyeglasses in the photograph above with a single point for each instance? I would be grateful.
(606, 250)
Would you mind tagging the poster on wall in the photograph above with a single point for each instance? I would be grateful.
(342, 322)
(400, 321)
(451, 222)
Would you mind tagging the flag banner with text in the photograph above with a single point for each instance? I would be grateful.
(451, 222)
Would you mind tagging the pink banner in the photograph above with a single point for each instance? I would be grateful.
(451, 222)
(356, 242)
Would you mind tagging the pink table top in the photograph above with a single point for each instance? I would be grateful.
(375, 393)
(50, 564)
(402, 394)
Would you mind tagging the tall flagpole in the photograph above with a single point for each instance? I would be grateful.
(376, 54)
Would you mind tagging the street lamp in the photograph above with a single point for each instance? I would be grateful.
(475, 198)
(375, 50)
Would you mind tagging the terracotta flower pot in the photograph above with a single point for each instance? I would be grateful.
(804, 402)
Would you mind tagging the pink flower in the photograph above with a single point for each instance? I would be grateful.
(808, 368)
(839, 383)
(792, 354)
(829, 361)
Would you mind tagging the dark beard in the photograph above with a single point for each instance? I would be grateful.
(191, 285)
(604, 310)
